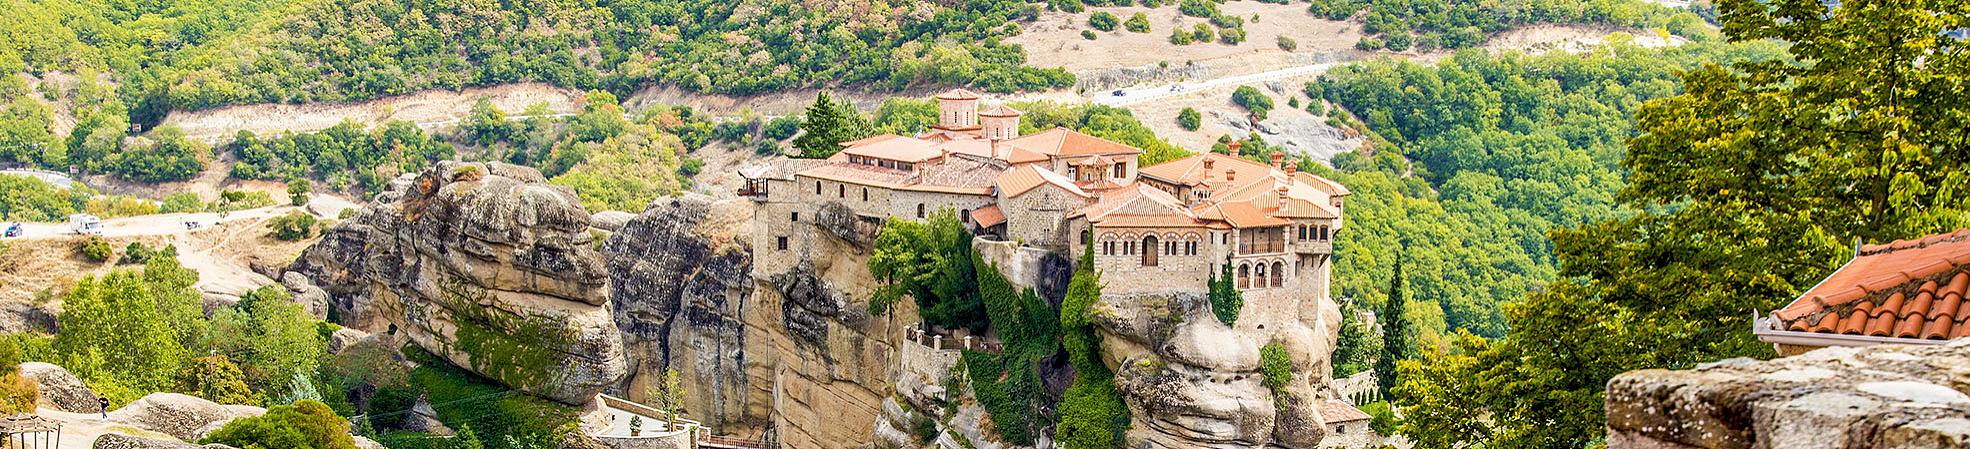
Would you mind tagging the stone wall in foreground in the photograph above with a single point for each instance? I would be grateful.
(1893, 396)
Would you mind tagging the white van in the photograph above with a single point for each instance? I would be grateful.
(85, 224)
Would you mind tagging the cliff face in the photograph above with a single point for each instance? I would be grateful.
(485, 265)
(1903, 397)
(1192, 381)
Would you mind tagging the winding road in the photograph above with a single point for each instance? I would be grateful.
(1137, 95)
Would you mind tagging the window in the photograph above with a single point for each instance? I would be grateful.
(1302, 229)
(1128, 247)
(1087, 237)
(1278, 274)
(817, 187)
(1149, 251)
(1121, 170)
(841, 191)
(919, 210)
(1259, 275)
(1190, 248)
(781, 242)
(865, 194)
(1323, 232)
(1170, 248)
(794, 217)
(1108, 248)
(1244, 276)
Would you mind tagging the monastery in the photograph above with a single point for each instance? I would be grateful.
(1157, 229)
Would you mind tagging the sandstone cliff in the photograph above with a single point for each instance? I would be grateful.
(485, 265)
(1903, 397)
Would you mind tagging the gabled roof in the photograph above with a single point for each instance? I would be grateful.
(893, 147)
(1907, 289)
(958, 94)
(1190, 171)
(1066, 142)
(1025, 178)
(1241, 214)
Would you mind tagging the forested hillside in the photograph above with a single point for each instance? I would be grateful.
(1476, 158)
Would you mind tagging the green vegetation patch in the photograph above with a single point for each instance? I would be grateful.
(528, 351)
(462, 398)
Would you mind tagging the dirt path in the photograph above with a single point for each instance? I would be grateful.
(429, 106)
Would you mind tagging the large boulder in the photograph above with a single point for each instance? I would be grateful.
(121, 441)
(679, 274)
(485, 265)
(60, 389)
(1879, 397)
(177, 415)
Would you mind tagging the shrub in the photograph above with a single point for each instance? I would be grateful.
(295, 225)
(1198, 8)
(1252, 100)
(96, 250)
(1138, 23)
(181, 202)
(17, 393)
(1232, 35)
(1189, 119)
(304, 425)
(1384, 421)
(1277, 367)
(1102, 20)
(297, 191)
(216, 379)
(1202, 33)
(1087, 34)
(1288, 44)
(782, 128)
(1181, 37)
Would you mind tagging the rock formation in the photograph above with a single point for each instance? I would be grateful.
(178, 415)
(485, 265)
(1191, 381)
(121, 441)
(1903, 397)
(60, 389)
(679, 283)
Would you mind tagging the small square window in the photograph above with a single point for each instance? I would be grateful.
(794, 217)
(781, 243)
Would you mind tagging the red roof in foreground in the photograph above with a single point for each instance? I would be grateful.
(1905, 289)
(1335, 411)
(988, 216)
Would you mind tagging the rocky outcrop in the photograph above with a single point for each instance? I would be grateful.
(60, 389)
(680, 282)
(177, 415)
(1192, 381)
(121, 441)
(485, 265)
(1903, 397)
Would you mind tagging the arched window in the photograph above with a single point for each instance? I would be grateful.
(865, 194)
(1128, 247)
(1108, 248)
(919, 210)
(1244, 276)
(1149, 250)
(1278, 274)
(1087, 237)
(1258, 273)
(817, 187)
(1170, 248)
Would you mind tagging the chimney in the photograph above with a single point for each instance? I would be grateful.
(1230, 175)
(1278, 159)
(1208, 162)
(957, 110)
(1282, 197)
(1292, 168)
(1231, 148)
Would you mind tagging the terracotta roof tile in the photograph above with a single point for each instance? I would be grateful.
(958, 94)
(988, 216)
(1067, 142)
(1912, 288)
(1025, 178)
(1335, 411)
(999, 111)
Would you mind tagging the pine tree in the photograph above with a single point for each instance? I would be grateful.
(1396, 345)
(829, 123)
(465, 439)
(1225, 298)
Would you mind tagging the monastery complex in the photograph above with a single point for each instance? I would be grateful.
(1157, 229)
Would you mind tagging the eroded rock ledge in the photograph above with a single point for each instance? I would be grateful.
(485, 265)
(1903, 397)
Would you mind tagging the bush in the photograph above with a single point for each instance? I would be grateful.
(181, 202)
(297, 191)
(1181, 37)
(1288, 44)
(296, 225)
(1102, 20)
(1203, 33)
(1087, 34)
(1277, 368)
(1226, 300)
(304, 425)
(1190, 119)
(96, 250)
(782, 128)
(1384, 421)
(216, 379)
(137, 253)
(1138, 23)
(1252, 100)
(1231, 36)
(17, 393)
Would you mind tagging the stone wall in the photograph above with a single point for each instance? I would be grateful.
(1881, 397)
(1126, 274)
(1038, 217)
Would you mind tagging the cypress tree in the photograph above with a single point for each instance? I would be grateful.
(1396, 345)
(827, 124)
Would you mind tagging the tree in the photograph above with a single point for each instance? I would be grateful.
(121, 331)
(1189, 119)
(274, 339)
(216, 379)
(296, 225)
(668, 397)
(1252, 100)
(297, 191)
(1226, 300)
(1397, 339)
(932, 262)
(1356, 348)
(466, 439)
(304, 425)
(1748, 188)
(828, 124)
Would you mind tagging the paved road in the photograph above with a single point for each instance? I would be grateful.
(58, 179)
(1137, 95)
(157, 224)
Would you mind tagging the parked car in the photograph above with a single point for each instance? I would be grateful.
(13, 230)
(1118, 92)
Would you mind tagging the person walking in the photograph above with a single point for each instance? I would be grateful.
(102, 403)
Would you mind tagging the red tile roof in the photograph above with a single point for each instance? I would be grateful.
(1905, 289)
(958, 94)
(988, 216)
(1025, 178)
(1335, 411)
(1066, 142)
